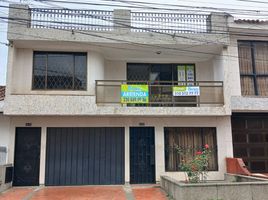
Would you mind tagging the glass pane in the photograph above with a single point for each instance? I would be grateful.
(138, 72)
(161, 72)
(80, 75)
(261, 57)
(247, 86)
(262, 83)
(245, 59)
(39, 71)
(60, 71)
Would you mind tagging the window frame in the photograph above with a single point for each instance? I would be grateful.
(46, 73)
(202, 135)
(173, 68)
(254, 75)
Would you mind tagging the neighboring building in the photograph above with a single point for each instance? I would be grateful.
(250, 92)
(70, 123)
(4, 129)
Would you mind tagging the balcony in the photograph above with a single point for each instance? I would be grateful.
(161, 93)
(104, 26)
(99, 20)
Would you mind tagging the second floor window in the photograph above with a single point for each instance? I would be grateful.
(59, 71)
(253, 64)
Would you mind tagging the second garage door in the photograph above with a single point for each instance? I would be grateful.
(85, 156)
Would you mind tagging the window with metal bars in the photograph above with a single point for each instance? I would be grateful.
(190, 139)
(253, 64)
(59, 71)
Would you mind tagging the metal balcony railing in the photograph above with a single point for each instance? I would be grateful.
(90, 20)
(100, 20)
(161, 93)
(168, 22)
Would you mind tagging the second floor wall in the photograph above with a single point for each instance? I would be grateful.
(249, 73)
(97, 67)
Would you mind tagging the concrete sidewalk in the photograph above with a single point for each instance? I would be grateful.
(126, 192)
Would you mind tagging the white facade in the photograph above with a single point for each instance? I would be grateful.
(215, 59)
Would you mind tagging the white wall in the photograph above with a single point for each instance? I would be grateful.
(4, 131)
(223, 125)
(204, 71)
(116, 70)
(22, 67)
(95, 70)
(22, 71)
(234, 72)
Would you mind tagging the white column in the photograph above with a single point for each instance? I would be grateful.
(127, 155)
(159, 152)
(43, 156)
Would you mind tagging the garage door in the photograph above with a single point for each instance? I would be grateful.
(250, 140)
(85, 156)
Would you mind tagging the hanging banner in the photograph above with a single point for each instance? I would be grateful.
(179, 91)
(190, 74)
(181, 73)
(135, 94)
(186, 73)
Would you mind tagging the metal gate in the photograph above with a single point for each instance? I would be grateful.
(27, 157)
(85, 156)
(142, 155)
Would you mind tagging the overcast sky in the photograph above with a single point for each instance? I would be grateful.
(229, 4)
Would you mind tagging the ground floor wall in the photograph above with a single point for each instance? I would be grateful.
(222, 124)
(4, 138)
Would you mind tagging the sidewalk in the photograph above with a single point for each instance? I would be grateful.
(126, 192)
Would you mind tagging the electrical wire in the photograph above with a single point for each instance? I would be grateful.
(202, 9)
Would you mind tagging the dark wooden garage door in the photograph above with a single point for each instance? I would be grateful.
(250, 140)
(85, 156)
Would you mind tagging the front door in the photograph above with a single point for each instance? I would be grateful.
(142, 155)
(27, 157)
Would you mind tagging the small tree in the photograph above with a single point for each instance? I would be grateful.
(195, 166)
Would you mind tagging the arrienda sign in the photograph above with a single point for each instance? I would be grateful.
(186, 91)
(134, 94)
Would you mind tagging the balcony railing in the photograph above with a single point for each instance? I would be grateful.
(168, 22)
(99, 20)
(90, 20)
(161, 93)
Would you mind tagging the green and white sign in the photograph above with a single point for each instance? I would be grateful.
(186, 91)
(186, 73)
(134, 94)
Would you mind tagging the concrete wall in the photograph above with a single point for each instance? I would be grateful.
(223, 125)
(22, 70)
(241, 103)
(218, 190)
(4, 135)
(117, 70)
(97, 69)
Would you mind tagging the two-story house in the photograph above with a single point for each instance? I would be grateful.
(249, 78)
(106, 97)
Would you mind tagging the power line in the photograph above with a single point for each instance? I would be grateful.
(122, 25)
(254, 1)
(151, 29)
(141, 43)
(147, 45)
(196, 8)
